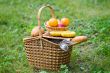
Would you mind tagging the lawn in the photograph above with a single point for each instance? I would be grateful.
(88, 17)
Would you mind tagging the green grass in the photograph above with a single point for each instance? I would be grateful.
(88, 17)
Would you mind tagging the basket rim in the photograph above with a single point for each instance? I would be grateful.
(29, 38)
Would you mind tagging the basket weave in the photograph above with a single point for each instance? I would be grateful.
(44, 54)
(48, 28)
(47, 55)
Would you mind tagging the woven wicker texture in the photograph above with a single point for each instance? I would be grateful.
(56, 28)
(45, 54)
(49, 56)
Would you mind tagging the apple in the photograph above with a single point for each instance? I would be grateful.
(61, 25)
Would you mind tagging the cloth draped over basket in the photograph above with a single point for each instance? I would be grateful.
(44, 54)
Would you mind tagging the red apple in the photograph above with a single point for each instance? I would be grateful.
(61, 25)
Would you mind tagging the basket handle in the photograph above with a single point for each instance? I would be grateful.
(39, 14)
(40, 11)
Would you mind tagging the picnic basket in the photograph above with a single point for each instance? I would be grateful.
(43, 53)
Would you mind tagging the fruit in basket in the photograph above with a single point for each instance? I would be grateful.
(35, 31)
(79, 39)
(60, 24)
(53, 22)
(65, 21)
(68, 34)
(55, 33)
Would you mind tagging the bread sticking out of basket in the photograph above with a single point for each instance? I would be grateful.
(43, 49)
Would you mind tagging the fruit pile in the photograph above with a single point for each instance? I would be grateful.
(64, 22)
(53, 22)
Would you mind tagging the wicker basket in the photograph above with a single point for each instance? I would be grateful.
(44, 54)
(48, 28)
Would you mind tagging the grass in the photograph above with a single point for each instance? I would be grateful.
(91, 18)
